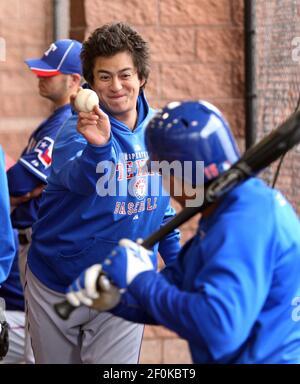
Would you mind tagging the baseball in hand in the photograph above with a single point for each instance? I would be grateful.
(85, 100)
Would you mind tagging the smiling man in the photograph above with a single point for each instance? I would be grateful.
(78, 224)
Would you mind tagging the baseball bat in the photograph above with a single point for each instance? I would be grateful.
(255, 159)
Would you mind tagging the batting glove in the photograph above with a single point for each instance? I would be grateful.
(83, 290)
(127, 261)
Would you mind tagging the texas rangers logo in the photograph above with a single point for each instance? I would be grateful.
(44, 149)
(52, 48)
(140, 188)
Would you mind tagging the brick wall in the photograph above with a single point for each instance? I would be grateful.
(278, 83)
(26, 27)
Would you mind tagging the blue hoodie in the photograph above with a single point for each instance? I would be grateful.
(76, 227)
(7, 245)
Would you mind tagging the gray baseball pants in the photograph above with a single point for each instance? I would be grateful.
(87, 337)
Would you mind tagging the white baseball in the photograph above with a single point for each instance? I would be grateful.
(85, 100)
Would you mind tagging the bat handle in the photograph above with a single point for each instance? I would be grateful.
(64, 309)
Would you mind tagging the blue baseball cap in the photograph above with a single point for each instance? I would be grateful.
(63, 56)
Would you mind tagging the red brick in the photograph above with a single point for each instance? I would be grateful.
(170, 44)
(18, 82)
(34, 50)
(37, 9)
(37, 31)
(78, 34)
(14, 60)
(14, 133)
(220, 45)
(151, 352)
(183, 81)
(238, 80)
(107, 11)
(234, 112)
(24, 105)
(176, 351)
(153, 84)
(12, 105)
(12, 143)
(10, 10)
(194, 12)
(237, 7)
(27, 32)
(36, 106)
(77, 10)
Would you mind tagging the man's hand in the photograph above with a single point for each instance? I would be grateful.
(127, 261)
(15, 201)
(93, 126)
(93, 288)
(84, 290)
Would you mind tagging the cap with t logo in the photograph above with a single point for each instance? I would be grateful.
(63, 56)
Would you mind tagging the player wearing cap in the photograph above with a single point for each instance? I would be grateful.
(59, 75)
(231, 289)
(81, 216)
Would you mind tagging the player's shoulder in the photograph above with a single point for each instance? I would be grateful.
(253, 192)
(51, 125)
(249, 204)
(256, 204)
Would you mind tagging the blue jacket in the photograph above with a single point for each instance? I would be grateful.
(33, 167)
(230, 292)
(7, 245)
(77, 227)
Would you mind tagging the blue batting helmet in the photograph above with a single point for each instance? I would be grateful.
(192, 131)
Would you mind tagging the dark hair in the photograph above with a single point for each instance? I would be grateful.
(111, 39)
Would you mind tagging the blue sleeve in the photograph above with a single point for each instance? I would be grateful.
(38, 159)
(7, 245)
(75, 161)
(169, 246)
(21, 181)
(129, 309)
(228, 291)
(133, 310)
